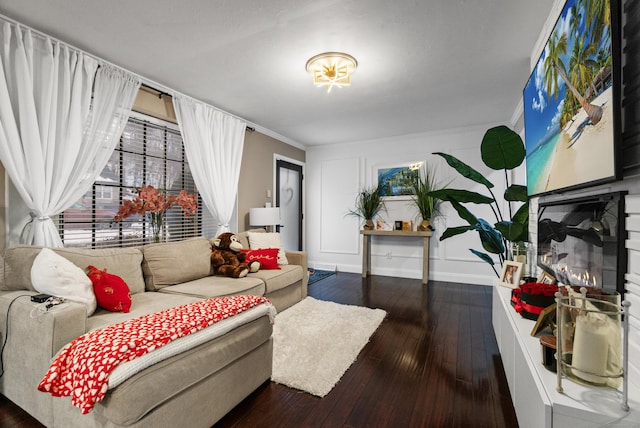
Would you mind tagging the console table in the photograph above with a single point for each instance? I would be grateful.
(366, 248)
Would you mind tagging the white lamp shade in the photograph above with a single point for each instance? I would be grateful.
(264, 216)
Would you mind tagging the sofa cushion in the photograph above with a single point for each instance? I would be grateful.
(268, 257)
(170, 263)
(54, 275)
(112, 293)
(124, 262)
(218, 286)
(141, 304)
(278, 279)
(268, 240)
(243, 237)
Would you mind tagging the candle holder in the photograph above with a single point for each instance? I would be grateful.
(591, 347)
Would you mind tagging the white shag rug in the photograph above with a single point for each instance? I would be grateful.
(315, 342)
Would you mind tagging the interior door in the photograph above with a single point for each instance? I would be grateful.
(289, 199)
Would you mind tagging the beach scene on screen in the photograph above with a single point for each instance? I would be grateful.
(568, 102)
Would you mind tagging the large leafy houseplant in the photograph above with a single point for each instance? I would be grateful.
(369, 202)
(501, 149)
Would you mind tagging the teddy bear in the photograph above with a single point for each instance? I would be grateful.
(227, 258)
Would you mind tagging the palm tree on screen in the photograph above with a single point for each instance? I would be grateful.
(554, 67)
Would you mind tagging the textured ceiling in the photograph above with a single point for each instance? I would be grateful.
(424, 65)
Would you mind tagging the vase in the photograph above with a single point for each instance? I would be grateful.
(368, 225)
(156, 226)
(425, 225)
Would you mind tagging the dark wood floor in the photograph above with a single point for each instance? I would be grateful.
(433, 362)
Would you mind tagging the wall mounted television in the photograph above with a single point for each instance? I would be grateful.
(571, 101)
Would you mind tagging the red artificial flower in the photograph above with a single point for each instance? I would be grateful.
(538, 289)
(155, 203)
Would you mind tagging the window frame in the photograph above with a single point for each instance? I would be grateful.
(190, 226)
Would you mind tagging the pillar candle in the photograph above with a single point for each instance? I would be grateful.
(590, 349)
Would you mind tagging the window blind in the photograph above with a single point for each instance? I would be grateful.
(148, 153)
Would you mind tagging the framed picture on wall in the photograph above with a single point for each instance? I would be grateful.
(396, 181)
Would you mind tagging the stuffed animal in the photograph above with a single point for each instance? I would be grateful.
(228, 260)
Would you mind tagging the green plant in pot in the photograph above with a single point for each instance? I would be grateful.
(368, 204)
(424, 200)
(501, 149)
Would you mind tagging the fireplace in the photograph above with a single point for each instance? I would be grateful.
(582, 241)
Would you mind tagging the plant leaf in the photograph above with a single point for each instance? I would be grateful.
(502, 148)
(484, 256)
(516, 192)
(490, 237)
(510, 230)
(464, 213)
(464, 169)
(522, 215)
(461, 196)
(453, 231)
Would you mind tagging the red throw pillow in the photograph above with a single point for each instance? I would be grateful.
(268, 257)
(112, 293)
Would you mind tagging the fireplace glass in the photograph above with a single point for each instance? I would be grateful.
(581, 241)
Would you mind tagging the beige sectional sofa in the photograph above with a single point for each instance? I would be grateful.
(194, 388)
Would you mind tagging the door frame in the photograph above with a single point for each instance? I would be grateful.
(276, 158)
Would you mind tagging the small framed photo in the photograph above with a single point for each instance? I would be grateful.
(546, 278)
(546, 318)
(511, 273)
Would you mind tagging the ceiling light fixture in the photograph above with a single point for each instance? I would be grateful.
(332, 69)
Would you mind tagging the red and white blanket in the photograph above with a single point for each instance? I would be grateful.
(81, 370)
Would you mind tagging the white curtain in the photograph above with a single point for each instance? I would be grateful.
(213, 142)
(54, 139)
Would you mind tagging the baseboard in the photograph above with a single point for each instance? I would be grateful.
(461, 278)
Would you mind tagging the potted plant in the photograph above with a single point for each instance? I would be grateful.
(368, 204)
(501, 149)
(424, 200)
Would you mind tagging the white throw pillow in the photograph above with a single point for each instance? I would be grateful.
(53, 274)
(258, 240)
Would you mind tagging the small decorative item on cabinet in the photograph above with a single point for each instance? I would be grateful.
(548, 344)
(535, 298)
(589, 338)
(511, 273)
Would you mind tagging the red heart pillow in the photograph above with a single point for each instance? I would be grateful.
(112, 293)
(268, 257)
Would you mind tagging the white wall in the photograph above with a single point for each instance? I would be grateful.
(336, 173)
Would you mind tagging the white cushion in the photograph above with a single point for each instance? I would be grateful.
(53, 274)
(268, 240)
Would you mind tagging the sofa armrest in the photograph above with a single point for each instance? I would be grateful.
(297, 258)
(300, 258)
(32, 339)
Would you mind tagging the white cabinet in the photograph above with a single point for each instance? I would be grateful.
(533, 388)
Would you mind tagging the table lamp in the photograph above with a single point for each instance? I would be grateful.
(266, 217)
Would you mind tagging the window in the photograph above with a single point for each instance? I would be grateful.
(148, 153)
